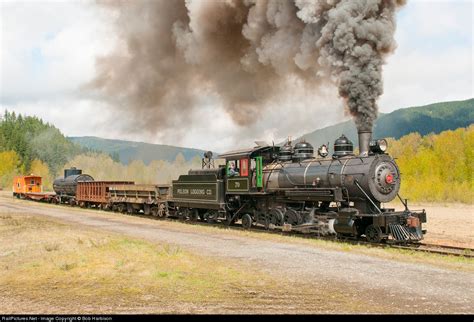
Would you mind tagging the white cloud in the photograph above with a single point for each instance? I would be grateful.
(48, 50)
(434, 58)
(441, 18)
(73, 116)
(413, 78)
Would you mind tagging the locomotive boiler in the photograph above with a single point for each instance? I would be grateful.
(367, 180)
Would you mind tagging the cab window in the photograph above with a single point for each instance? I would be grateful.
(233, 168)
(244, 167)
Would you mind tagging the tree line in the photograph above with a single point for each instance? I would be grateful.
(438, 167)
(30, 146)
(27, 144)
(435, 168)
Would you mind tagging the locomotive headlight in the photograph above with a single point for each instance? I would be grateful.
(378, 146)
(382, 145)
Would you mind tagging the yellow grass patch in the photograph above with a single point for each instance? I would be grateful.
(50, 267)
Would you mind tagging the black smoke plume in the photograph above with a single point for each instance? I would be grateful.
(244, 51)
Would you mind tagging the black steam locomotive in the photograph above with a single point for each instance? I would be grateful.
(289, 189)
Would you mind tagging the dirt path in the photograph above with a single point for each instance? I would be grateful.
(447, 224)
(404, 287)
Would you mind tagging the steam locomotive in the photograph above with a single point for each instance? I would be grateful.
(287, 187)
(277, 187)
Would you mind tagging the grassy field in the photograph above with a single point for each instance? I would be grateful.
(50, 267)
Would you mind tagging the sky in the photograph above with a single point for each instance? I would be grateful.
(49, 48)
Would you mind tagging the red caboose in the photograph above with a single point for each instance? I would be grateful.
(31, 187)
(27, 184)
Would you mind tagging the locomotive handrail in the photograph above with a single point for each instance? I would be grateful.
(404, 203)
(367, 196)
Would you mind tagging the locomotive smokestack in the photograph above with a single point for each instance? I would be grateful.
(364, 139)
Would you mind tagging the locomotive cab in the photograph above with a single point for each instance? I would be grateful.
(244, 168)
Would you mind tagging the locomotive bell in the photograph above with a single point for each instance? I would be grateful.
(342, 147)
(323, 151)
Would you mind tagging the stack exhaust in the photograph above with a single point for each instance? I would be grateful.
(365, 136)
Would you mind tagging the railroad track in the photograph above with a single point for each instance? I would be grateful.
(417, 247)
(439, 249)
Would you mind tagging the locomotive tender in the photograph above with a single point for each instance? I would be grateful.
(276, 187)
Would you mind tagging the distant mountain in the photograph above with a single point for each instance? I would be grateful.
(433, 118)
(127, 151)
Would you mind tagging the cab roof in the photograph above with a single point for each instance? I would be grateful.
(29, 176)
(247, 153)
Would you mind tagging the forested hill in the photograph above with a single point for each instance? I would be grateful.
(126, 151)
(433, 118)
(25, 139)
(436, 167)
(29, 145)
